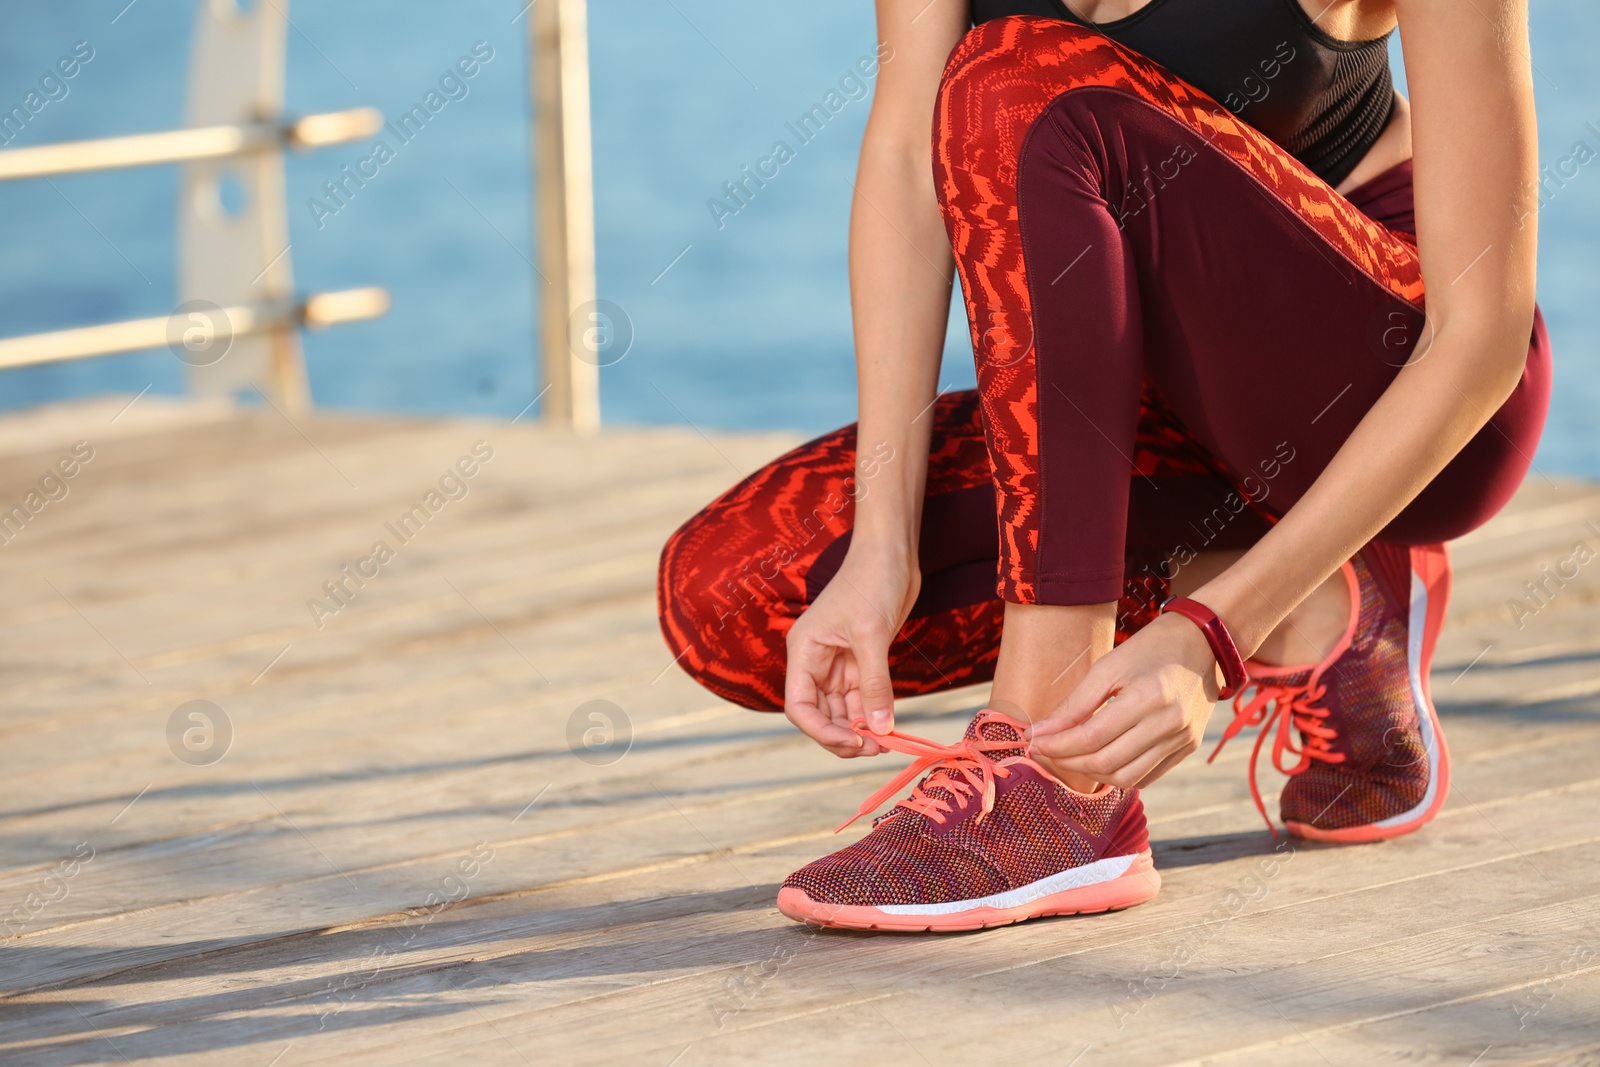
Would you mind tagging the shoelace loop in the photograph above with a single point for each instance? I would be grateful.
(1289, 708)
(960, 770)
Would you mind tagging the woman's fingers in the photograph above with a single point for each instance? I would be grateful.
(816, 723)
(1131, 742)
(820, 727)
(848, 700)
(836, 708)
(844, 749)
(1127, 759)
(821, 698)
(1068, 739)
(876, 691)
(1140, 769)
(808, 702)
(839, 649)
(1098, 686)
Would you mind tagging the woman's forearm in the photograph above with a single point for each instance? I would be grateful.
(900, 276)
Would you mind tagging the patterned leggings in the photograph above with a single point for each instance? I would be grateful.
(1175, 326)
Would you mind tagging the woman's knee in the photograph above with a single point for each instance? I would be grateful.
(733, 579)
(698, 589)
(720, 617)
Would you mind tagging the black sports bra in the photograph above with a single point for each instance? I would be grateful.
(1325, 101)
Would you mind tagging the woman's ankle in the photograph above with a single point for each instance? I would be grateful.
(1314, 629)
(1045, 652)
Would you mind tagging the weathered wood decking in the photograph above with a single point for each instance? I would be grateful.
(272, 907)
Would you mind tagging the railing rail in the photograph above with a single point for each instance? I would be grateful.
(184, 146)
(218, 326)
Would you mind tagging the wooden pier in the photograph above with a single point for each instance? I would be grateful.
(237, 828)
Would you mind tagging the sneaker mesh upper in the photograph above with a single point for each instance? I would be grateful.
(1368, 693)
(910, 858)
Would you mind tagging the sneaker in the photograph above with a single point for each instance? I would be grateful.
(1371, 761)
(989, 837)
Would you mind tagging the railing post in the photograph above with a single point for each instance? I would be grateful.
(234, 254)
(563, 184)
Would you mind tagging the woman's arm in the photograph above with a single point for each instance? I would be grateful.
(1476, 168)
(901, 270)
(1475, 172)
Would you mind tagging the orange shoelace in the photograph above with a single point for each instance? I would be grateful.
(961, 770)
(1292, 707)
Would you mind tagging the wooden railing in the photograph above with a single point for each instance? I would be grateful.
(238, 319)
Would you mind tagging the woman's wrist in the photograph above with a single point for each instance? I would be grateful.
(888, 548)
(1248, 614)
(1229, 660)
(887, 519)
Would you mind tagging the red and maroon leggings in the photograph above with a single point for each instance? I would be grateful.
(1175, 327)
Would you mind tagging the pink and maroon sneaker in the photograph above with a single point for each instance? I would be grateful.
(989, 837)
(1371, 761)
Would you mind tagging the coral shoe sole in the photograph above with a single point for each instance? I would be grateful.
(1104, 885)
(1430, 595)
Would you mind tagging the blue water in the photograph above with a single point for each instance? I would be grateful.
(749, 329)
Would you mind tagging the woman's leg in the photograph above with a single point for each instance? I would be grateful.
(1112, 225)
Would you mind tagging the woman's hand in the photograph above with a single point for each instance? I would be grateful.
(1153, 693)
(901, 270)
(839, 650)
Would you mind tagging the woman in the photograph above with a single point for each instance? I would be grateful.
(1215, 449)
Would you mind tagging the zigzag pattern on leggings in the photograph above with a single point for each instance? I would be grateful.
(733, 579)
(998, 81)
